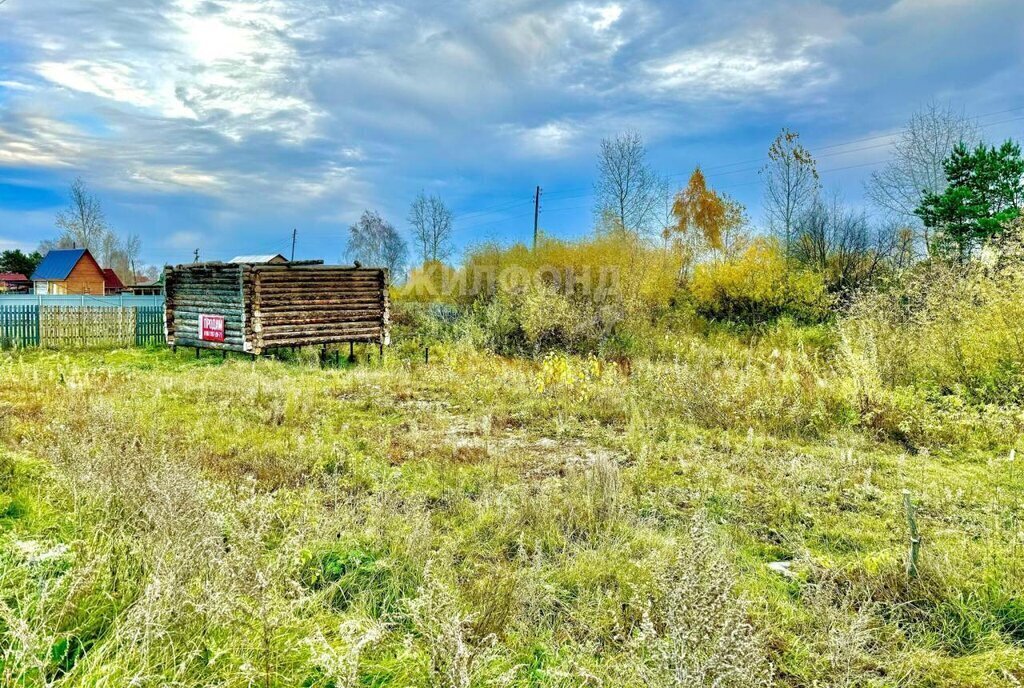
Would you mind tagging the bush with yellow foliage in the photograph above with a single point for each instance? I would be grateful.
(576, 296)
(758, 285)
(956, 328)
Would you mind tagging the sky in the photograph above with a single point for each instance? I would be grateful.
(222, 125)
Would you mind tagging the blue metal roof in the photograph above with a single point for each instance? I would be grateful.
(58, 264)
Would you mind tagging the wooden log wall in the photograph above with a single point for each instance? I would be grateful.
(306, 305)
(275, 306)
(210, 289)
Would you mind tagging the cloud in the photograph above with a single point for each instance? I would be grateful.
(547, 140)
(743, 67)
(183, 240)
(177, 177)
(246, 116)
(112, 81)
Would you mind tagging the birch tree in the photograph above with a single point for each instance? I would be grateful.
(628, 191)
(791, 185)
(431, 222)
(916, 167)
(82, 223)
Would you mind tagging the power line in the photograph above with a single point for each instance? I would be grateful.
(760, 161)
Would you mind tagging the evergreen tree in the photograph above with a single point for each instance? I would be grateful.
(985, 193)
(19, 262)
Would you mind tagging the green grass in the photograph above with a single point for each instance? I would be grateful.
(167, 520)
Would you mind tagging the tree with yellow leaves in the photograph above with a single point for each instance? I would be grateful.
(704, 219)
(699, 209)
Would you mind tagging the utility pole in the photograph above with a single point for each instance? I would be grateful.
(536, 215)
(195, 256)
(294, 233)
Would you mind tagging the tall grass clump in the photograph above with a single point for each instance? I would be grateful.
(577, 297)
(695, 632)
(944, 337)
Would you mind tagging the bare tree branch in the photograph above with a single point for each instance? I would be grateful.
(431, 222)
(917, 163)
(629, 194)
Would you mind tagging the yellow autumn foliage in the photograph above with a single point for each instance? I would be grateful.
(758, 285)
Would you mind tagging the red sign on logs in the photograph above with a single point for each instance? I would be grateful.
(211, 328)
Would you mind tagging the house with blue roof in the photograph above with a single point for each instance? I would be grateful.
(69, 271)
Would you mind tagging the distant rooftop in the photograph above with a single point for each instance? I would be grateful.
(260, 259)
(58, 263)
(111, 280)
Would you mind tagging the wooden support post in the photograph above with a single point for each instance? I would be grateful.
(380, 352)
(197, 352)
(915, 537)
(351, 352)
(426, 355)
(223, 354)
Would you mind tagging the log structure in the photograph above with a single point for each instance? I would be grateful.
(255, 308)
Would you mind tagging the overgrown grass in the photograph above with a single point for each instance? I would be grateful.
(491, 521)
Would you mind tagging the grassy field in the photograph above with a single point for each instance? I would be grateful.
(490, 521)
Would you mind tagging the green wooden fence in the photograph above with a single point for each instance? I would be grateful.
(80, 326)
(149, 325)
(19, 326)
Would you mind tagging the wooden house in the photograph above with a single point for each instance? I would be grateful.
(69, 271)
(14, 283)
(254, 308)
(112, 284)
(154, 288)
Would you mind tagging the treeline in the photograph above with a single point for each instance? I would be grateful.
(942, 201)
(83, 224)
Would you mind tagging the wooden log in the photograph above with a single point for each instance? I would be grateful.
(201, 291)
(227, 346)
(283, 318)
(320, 310)
(309, 328)
(208, 309)
(321, 303)
(369, 336)
(296, 333)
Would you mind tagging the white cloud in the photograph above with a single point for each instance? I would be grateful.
(741, 67)
(605, 17)
(42, 142)
(548, 140)
(183, 240)
(232, 70)
(109, 80)
(176, 178)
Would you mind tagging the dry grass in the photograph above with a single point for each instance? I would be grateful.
(484, 521)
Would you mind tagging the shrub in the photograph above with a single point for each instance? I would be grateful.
(950, 327)
(696, 631)
(758, 286)
(571, 296)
